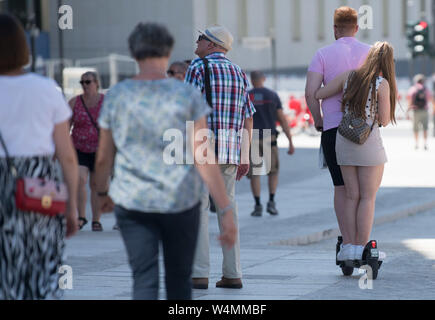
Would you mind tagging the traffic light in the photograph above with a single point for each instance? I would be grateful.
(418, 38)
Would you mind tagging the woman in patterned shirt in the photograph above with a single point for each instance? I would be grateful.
(157, 201)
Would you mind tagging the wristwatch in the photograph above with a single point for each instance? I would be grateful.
(103, 194)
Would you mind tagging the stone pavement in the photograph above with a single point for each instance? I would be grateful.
(290, 256)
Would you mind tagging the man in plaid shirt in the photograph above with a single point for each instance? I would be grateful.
(232, 112)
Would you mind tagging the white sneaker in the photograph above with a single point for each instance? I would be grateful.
(345, 252)
(358, 252)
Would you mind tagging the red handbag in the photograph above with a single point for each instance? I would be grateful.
(39, 195)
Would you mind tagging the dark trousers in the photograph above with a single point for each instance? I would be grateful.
(142, 233)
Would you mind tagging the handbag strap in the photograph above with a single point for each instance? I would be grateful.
(375, 103)
(9, 164)
(207, 82)
(89, 114)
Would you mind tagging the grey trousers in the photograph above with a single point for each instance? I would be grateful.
(142, 233)
(231, 268)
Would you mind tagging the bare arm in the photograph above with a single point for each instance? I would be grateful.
(247, 139)
(332, 88)
(67, 157)
(71, 104)
(384, 103)
(284, 125)
(314, 82)
(103, 167)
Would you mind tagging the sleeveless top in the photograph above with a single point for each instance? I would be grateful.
(84, 133)
(370, 114)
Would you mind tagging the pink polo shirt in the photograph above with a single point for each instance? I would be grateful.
(345, 54)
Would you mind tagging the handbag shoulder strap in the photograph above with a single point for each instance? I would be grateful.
(89, 114)
(207, 82)
(11, 167)
(374, 102)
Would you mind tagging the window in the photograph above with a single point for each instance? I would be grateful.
(212, 12)
(404, 15)
(365, 32)
(242, 19)
(296, 21)
(270, 18)
(385, 18)
(321, 20)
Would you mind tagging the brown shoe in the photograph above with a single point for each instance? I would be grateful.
(229, 283)
(200, 283)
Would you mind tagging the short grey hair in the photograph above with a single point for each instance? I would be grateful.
(150, 40)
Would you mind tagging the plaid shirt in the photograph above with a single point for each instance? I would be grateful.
(230, 100)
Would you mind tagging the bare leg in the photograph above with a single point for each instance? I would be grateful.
(350, 177)
(416, 139)
(369, 181)
(339, 201)
(255, 185)
(83, 179)
(273, 183)
(96, 214)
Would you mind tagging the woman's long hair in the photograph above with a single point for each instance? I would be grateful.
(380, 58)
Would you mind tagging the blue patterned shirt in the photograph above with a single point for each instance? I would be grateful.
(139, 114)
(230, 100)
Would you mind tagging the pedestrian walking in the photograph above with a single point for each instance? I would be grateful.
(369, 93)
(268, 111)
(225, 86)
(156, 202)
(178, 70)
(86, 109)
(345, 54)
(34, 128)
(419, 98)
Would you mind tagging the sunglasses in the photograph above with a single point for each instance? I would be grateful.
(87, 82)
(172, 72)
(202, 37)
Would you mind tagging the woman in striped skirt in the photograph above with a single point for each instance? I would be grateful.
(34, 128)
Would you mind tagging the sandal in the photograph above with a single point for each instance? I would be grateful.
(96, 226)
(82, 222)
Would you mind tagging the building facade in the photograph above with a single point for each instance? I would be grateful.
(280, 35)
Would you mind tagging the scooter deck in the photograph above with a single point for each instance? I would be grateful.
(356, 263)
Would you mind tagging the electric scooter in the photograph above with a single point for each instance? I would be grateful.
(370, 257)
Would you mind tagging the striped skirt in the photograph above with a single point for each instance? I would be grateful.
(31, 244)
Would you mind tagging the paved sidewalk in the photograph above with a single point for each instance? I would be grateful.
(276, 262)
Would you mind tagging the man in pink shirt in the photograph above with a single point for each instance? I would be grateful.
(346, 53)
(418, 101)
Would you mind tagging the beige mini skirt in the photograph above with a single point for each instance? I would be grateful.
(371, 153)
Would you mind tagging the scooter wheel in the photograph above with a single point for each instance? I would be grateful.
(375, 267)
(347, 271)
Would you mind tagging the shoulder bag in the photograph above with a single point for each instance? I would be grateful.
(356, 128)
(41, 195)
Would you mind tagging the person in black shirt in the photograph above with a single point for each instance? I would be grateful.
(269, 111)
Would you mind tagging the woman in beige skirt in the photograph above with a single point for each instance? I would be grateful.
(369, 93)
